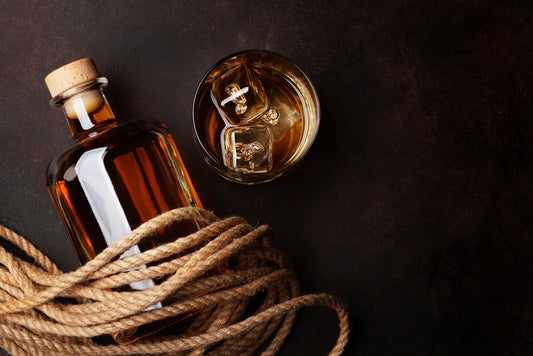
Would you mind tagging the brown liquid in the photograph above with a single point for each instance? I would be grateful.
(145, 169)
(138, 165)
(211, 124)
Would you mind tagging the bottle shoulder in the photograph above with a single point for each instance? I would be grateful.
(125, 136)
(129, 128)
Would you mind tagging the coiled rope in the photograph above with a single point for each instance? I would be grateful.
(253, 311)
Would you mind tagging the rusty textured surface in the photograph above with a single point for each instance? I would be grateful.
(414, 204)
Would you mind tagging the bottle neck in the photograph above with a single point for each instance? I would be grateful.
(86, 109)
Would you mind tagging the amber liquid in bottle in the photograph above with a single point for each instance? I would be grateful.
(137, 165)
(116, 176)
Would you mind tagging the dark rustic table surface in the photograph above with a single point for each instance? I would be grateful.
(414, 205)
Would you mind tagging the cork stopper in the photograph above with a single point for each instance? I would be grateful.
(70, 75)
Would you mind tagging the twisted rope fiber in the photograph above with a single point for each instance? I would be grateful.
(249, 308)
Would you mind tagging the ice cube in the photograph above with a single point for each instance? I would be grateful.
(248, 149)
(239, 95)
(281, 115)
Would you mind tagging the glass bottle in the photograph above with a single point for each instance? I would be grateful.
(115, 176)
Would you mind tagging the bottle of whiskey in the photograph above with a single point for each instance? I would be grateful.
(116, 175)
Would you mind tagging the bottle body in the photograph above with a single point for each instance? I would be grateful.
(106, 185)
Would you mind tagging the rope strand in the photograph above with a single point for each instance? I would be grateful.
(249, 307)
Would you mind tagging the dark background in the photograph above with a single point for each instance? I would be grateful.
(413, 205)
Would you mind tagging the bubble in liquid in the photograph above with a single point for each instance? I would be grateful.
(271, 116)
(246, 151)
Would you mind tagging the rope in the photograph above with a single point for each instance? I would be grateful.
(248, 308)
